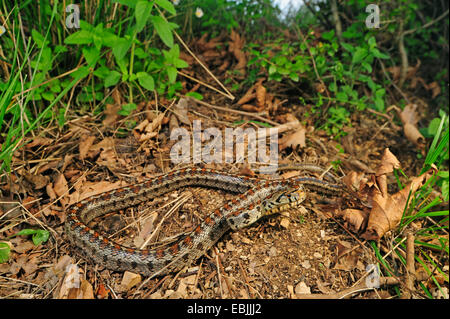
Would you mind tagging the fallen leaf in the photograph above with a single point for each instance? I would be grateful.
(102, 292)
(181, 111)
(387, 210)
(85, 144)
(39, 181)
(129, 280)
(409, 120)
(355, 219)
(111, 112)
(261, 96)
(39, 141)
(61, 188)
(294, 140)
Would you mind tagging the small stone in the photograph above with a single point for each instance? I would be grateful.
(272, 252)
(284, 223)
(306, 264)
(302, 288)
(317, 255)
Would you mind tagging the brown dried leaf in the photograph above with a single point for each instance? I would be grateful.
(250, 108)
(129, 280)
(248, 96)
(409, 119)
(413, 135)
(298, 138)
(39, 181)
(388, 162)
(387, 210)
(261, 96)
(61, 188)
(354, 180)
(355, 219)
(181, 111)
(39, 141)
(91, 189)
(111, 114)
(146, 230)
(436, 89)
(85, 144)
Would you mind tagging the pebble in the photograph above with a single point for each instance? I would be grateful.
(306, 264)
(272, 252)
(302, 288)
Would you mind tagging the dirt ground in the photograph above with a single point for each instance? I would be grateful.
(304, 251)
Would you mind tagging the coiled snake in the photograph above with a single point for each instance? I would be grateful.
(257, 198)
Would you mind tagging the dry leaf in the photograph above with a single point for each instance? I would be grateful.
(129, 280)
(39, 181)
(91, 189)
(85, 144)
(388, 162)
(61, 188)
(261, 96)
(250, 108)
(298, 138)
(40, 141)
(181, 111)
(102, 292)
(388, 209)
(248, 96)
(111, 114)
(409, 119)
(146, 230)
(436, 89)
(355, 219)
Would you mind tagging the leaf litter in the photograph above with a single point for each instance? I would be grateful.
(318, 248)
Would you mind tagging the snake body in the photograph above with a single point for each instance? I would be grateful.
(256, 198)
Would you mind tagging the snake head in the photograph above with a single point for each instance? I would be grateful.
(283, 200)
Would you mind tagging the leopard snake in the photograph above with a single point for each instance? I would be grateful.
(257, 197)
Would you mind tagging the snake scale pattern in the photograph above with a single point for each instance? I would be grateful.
(256, 198)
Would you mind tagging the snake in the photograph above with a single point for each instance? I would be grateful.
(256, 197)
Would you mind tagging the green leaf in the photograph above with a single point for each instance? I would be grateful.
(376, 53)
(4, 252)
(195, 95)
(146, 80)
(367, 66)
(128, 3)
(127, 109)
(38, 38)
(142, 13)
(372, 42)
(112, 78)
(328, 35)
(79, 37)
(434, 126)
(121, 48)
(172, 73)
(82, 72)
(166, 5)
(39, 236)
(359, 55)
(91, 54)
(48, 96)
(163, 29)
(272, 69)
(181, 64)
(294, 76)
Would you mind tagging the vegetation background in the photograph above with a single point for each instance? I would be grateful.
(60, 62)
